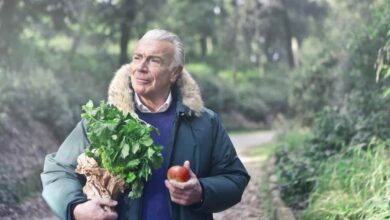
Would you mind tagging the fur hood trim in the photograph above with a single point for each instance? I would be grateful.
(120, 93)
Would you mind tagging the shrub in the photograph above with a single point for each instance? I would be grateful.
(37, 94)
(295, 172)
(354, 186)
(334, 132)
(217, 93)
(362, 116)
(313, 87)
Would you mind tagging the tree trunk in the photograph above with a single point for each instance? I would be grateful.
(8, 26)
(77, 38)
(287, 28)
(203, 46)
(235, 51)
(125, 28)
(128, 16)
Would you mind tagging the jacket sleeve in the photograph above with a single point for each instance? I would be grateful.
(228, 177)
(61, 185)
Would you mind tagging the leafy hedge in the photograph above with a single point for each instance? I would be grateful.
(27, 96)
(353, 186)
(254, 97)
(359, 121)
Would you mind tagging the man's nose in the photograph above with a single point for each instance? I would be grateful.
(143, 65)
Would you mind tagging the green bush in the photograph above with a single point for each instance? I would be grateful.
(334, 132)
(295, 172)
(254, 96)
(353, 186)
(218, 94)
(313, 87)
(265, 96)
(36, 95)
(251, 105)
(200, 69)
(360, 116)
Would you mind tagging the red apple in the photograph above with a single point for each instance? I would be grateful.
(178, 173)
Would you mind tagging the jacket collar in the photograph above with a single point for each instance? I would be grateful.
(120, 93)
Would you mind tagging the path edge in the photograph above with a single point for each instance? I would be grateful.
(279, 209)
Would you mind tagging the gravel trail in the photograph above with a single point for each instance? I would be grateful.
(250, 206)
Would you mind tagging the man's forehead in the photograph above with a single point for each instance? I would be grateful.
(150, 46)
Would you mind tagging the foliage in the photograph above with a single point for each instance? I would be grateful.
(271, 88)
(334, 132)
(26, 96)
(220, 95)
(348, 112)
(313, 88)
(55, 55)
(80, 43)
(353, 186)
(294, 170)
(254, 97)
(382, 66)
(121, 143)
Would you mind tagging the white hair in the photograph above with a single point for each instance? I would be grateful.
(163, 35)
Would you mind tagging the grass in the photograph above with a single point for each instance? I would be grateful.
(290, 140)
(353, 187)
(266, 200)
(293, 140)
(265, 150)
(244, 130)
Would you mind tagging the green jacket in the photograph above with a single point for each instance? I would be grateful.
(198, 137)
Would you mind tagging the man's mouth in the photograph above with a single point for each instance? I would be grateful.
(142, 81)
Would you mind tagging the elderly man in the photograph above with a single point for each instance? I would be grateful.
(162, 93)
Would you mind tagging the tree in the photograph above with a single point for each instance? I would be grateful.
(17, 15)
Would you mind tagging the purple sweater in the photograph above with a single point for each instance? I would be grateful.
(155, 196)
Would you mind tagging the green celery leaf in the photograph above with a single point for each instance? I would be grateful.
(121, 143)
(125, 151)
(147, 142)
(135, 148)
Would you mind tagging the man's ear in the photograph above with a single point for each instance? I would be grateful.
(176, 73)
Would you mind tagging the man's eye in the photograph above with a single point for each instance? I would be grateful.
(136, 57)
(155, 60)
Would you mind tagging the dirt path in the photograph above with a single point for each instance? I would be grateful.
(251, 139)
(249, 207)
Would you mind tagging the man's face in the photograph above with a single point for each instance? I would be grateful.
(151, 75)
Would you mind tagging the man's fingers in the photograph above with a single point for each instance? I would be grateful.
(174, 191)
(174, 186)
(110, 215)
(178, 185)
(171, 187)
(179, 201)
(106, 202)
(190, 184)
(168, 185)
(186, 164)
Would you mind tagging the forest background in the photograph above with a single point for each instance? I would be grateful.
(260, 64)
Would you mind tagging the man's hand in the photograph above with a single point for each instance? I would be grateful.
(93, 210)
(185, 193)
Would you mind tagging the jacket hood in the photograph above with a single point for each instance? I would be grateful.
(120, 93)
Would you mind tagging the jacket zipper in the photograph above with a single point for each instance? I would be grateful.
(176, 124)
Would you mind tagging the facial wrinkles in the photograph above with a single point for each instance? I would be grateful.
(162, 50)
(147, 70)
(153, 58)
